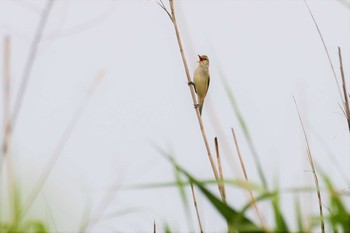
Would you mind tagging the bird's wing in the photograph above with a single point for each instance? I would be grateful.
(194, 85)
(208, 81)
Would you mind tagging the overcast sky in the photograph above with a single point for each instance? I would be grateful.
(267, 51)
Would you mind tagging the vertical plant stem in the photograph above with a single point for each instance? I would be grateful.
(201, 125)
(154, 227)
(221, 174)
(11, 178)
(325, 48)
(262, 223)
(313, 169)
(30, 61)
(196, 207)
(346, 98)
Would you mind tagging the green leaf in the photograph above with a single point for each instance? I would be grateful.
(281, 225)
(299, 216)
(35, 226)
(237, 222)
(339, 215)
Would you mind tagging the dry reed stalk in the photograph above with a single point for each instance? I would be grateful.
(325, 48)
(201, 125)
(7, 129)
(346, 98)
(221, 174)
(196, 207)
(262, 223)
(192, 88)
(313, 169)
(154, 227)
(6, 98)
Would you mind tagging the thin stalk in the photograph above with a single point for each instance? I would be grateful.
(246, 178)
(196, 207)
(30, 61)
(201, 125)
(325, 48)
(221, 174)
(313, 169)
(346, 98)
(13, 192)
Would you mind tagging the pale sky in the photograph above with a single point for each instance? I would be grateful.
(268, 51)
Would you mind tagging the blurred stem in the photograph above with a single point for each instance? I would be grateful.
(11, 178)
(30, 61)
(262, 223)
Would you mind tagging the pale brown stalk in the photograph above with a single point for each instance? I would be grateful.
(196, 207)
(154, 227)
(188, 75)
(345, 92)
(313, 169)
(325, 48)
(221, 174)
(7, 129)
(262, 223)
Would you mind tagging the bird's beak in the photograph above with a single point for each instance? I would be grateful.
(200, 58)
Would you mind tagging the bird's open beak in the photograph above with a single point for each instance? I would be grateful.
(200, 58)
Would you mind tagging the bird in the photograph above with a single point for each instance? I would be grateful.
(201, 80)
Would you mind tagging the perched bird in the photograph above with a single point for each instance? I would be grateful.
(201, 80)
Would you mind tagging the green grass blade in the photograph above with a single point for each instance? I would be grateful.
(281, 225)
(239, 223)
(35, 226)
(262, 197)
(299, 216)
(339, 215)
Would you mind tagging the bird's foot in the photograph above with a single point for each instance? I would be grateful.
(196, 105)
(190, 83)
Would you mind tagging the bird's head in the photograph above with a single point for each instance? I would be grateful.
(203, 60)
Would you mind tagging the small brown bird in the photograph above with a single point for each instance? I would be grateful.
(201, 80)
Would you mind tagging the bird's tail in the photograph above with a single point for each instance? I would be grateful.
(201, 103)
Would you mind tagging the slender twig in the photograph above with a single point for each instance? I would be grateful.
(325, 48)
(161, 4)
(6, 94)
(246, 178)
(201, 125)
(221, 174)
(312, 167)
(59, 147)
(346, 98)
(13, 194)
(154, 227)
(30, 61)
(196, 207)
